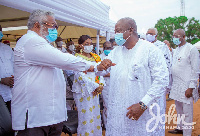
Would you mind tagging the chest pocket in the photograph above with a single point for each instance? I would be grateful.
(136, 72)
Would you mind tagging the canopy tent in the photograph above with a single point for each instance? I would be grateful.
(87, 13)
(92, 14)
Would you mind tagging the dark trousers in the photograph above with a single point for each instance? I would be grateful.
(52, 130)
(8, 104)
(5, 120)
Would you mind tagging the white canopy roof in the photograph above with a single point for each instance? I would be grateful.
(87, 13)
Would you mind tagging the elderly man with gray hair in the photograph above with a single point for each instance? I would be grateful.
(151, 36)
(39, 94)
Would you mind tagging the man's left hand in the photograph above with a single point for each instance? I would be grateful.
(134, 112)
(188, 92)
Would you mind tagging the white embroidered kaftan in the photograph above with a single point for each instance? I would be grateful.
(184, 72)
(89, 118)
(140, 74)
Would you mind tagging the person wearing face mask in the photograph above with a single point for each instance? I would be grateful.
(59, 44)
(184, 86)
(151, 36)
(107, 48)
(70, 46)
(87, 87)
(138, 79)
(113, 43)
(39, 94)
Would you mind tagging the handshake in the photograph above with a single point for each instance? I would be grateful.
(104, 65)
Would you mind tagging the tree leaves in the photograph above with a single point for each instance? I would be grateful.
(167, 26)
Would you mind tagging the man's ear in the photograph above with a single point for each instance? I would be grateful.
(131, 29)
(37, 25)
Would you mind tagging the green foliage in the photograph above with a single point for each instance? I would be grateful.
(167, 26)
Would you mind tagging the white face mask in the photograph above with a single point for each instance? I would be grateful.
(88, 49)
(71, 47)
(59, 44)
(150, 38)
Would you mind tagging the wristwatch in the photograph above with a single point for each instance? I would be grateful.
(142, 105)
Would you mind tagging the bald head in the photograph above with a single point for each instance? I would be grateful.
(127, 23)
(180, 32)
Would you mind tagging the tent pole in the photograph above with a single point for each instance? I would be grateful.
(107, 36)
(97, 44)
(62, 30)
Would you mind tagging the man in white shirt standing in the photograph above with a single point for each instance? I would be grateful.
(107, 48)
(39, 94)
(6, 72)
(184, 86)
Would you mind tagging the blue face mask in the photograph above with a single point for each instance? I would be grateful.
(52, 36)
(107, 52)
(176, 41)
(1, 35)
(119, 39)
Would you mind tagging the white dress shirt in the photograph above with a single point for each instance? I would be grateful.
(6, 70)
(40, 88)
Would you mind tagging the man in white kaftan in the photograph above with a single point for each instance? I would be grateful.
(184, 86)
(151, 36)
(136, 82)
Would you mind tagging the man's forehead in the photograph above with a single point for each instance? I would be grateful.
(50, 19)
(108, 44)
(151, 31)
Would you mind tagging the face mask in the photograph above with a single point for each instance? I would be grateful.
(107, 52)
(52, 36)
(119, 39)
(150, 38)
(88, 49)
(1, 35)
(176, 41)
(71, 47)
(59, 44)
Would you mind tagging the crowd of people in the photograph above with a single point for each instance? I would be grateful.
(130, 76)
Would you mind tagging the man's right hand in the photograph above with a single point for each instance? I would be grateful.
(9, 81)
(105, 64)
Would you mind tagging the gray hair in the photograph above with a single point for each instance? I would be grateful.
(128, 23)
(155, 29)
(38, 16)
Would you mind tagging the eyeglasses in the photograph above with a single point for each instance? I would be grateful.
(55, 26)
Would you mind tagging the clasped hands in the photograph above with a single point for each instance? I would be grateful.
(104, 65)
